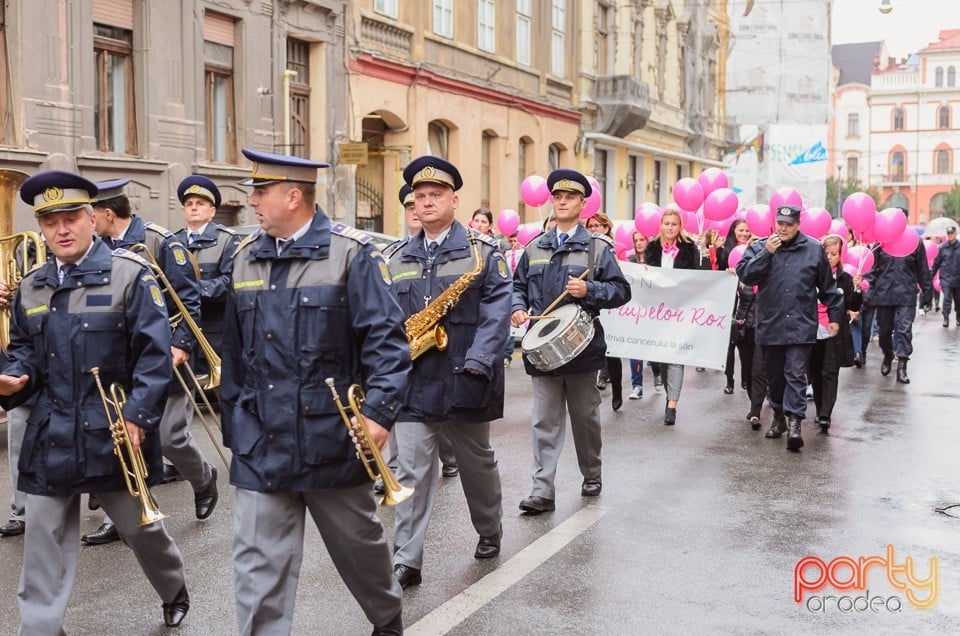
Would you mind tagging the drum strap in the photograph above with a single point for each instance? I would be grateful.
(592, 258)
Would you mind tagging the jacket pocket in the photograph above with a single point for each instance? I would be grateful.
(470, 390)
(98, 457)
(243, 429)
(29, 444)
(324, 437)
(104, 344)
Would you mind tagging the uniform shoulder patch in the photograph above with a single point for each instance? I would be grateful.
(485, 238)
(502, 268)
(159, 229)
(342, 229)
(381, 262)
(130, 256)
(179, 254)
(603, 237)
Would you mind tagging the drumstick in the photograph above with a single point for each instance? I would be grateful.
(559, 298)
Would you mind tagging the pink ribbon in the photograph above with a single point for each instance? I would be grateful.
(672, 250)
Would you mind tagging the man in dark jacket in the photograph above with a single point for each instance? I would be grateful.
(791, 272)
(448, 278)
(309, 300)
(893, 291)
(553, 264)
(947, 263)
(86, 308)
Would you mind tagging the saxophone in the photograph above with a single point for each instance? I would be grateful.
(424, 330)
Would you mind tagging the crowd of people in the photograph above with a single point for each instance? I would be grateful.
(307, 309)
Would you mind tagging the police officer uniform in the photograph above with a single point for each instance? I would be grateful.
(789, 283)
(320, 308)
(212, 247)
(177, 442)
(104, 310)
(458, 390)
(947, 263)
(540, 278)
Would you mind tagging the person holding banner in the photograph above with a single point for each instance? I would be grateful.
(791, 273)
(566, 265)
(672, 249)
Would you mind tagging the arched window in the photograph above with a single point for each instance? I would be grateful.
(943, 117)
(898, 117)
(938, 76)
(951, 76)
(437, 139)
(943, 161)
(485, 143)
(553, 156)
(897, 167)
(937, 204)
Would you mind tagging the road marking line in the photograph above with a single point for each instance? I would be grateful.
(459, 608)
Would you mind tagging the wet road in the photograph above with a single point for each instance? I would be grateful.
(698, 530)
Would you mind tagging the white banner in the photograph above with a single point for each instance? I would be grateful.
(675, 315)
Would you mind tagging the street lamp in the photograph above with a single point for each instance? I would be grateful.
(885, 7)
(839, 190)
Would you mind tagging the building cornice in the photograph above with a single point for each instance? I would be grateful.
(398, 73)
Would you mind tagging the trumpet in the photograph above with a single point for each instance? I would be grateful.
(367, 451)
(132, 463)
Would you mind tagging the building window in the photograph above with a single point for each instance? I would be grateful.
(524, 16)
(898, 118)
(938, 76)
(443, 18)
(603, 39)
(486, 25)
(485, 145)
(852, 169)
(658, 178)
(557, 35)
(522, 156)
(218, 74)
(600, 168)
(633, 201)
(951, 76)
(853, 125)
(438, 138)
(298, 60)
(896, 166)
(386, 7)
(553, 157)
(114, 114)
(943, 162)
(943, 117)
(6, 108)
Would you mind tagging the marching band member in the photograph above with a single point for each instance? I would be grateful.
(118, 226)
(88, 308)
(549, 267)
(459, 389)
(310, 300)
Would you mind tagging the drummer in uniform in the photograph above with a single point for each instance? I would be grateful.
(552, 265)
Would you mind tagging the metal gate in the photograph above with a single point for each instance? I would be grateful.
(369, 206)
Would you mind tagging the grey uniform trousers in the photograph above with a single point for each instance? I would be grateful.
(553, 396)
(419, 467)
(268, 551)
(16, 427)
(51, 549)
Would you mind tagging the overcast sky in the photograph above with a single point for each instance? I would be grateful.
(909, 27)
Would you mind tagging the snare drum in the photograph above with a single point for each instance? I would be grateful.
(552, 342)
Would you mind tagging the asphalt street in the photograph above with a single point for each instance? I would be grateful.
(699, 528)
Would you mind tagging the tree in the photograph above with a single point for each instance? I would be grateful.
(845, 189)
(951, 202)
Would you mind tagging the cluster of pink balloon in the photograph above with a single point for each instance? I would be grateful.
(931, 249)
(888, 227)
(535, 193)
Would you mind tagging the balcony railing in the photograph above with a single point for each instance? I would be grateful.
(624, 104)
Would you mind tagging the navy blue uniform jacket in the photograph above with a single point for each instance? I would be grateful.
(894, 280)
(322, 309)
(108, 313)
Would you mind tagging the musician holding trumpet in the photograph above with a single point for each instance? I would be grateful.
(310, 300)
(88, 308)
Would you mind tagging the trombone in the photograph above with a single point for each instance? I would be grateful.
(132, 463)
(367, 451)
(213, 360)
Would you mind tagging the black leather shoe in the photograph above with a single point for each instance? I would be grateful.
(407, 575)
(858, 359)
(175, 610)
(728, 390)
(591, 488)
(534, 505)
(777, 427)
(794, 441)
(206, 499)
(450, 470)
(902, 371)
(106, 533)
(946, 322)
(488, 547)
(393, 628)
(13, 528)
(617, 403)
(670, 416)
(824, 423)
(171, 474)
(887, 364)
(755, 422)
(92, 502)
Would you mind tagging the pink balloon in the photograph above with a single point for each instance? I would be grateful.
(688, 193)
(861, 258)
(815, 222)
(864, 285)
(784, 196)
(889, 224)
(936, 282)
(712, 179)
(526, 233)
(592, 204)
(736, 255)
(850, 269)
(932, 250)
(508, 221)
(723, 227)
(534, 191)
(760, 220)
(594, 184)
(691, 221)
(647, 219)
(720, 204)
(623, 234)
(838, 227)
(859, 211)
(904, 245)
